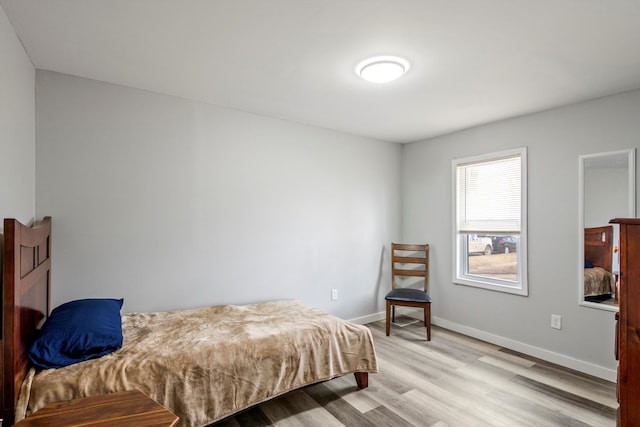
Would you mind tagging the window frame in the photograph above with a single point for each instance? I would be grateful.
(459, 246)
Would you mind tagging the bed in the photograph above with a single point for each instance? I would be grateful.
(203, 364)
(599, 280)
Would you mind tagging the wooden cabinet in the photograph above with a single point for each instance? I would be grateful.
(628, 323)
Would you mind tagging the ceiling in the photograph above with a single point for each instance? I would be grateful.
(472, 62)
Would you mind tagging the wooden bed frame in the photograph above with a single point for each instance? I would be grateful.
(26, 304)
(597, 251)
(25, 301)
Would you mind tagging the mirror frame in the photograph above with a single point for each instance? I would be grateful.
(631, 213)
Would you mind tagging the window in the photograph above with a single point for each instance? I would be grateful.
(490, 239)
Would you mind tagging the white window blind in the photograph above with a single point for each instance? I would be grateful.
(489, 196)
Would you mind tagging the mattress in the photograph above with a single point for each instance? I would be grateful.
(208, 363)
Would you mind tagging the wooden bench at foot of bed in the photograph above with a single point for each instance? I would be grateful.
(123, 408)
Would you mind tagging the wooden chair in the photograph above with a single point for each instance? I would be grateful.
(414, 265)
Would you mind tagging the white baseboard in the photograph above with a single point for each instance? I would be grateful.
(369, 318)
(540, 353)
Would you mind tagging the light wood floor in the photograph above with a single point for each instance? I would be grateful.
(453, 380)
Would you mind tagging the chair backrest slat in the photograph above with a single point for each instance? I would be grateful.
(412, 260)
(414, 273)
(408, 247)
(413, 265)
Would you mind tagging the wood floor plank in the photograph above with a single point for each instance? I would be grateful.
(512, 357)
(383, 416)
(521, 401)
(445, 409)
(423, 362)
(600, 390)
(299, 409)
(491, 379)
(400, 405)
(250, 418)
(567, 382)
(359, 399)
(337, 407)
(564, 396)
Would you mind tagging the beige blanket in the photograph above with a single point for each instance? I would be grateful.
(598, 281)
(206, 364)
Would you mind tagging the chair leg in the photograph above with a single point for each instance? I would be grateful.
(427, 320)
(388, 318)
(393, 313)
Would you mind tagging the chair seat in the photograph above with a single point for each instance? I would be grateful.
(409, 295)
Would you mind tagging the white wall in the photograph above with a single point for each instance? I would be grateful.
(554, 139)
(171, 203)
(17, 128)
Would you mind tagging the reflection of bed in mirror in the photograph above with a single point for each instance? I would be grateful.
(599, 280)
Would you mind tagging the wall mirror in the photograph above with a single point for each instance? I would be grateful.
(607, 190)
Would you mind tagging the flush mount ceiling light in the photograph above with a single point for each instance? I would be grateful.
(382, 69)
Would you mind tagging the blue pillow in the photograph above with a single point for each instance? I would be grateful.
(588, 264)
(77, 331)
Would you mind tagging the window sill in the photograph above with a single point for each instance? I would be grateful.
(522, 291)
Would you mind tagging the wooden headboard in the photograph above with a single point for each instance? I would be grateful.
(25, 301)
(596, 250)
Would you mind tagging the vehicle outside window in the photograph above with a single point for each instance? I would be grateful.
(480, 245)
(504, 244)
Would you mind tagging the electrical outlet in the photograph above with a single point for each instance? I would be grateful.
(334, 294)
(556, 321)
